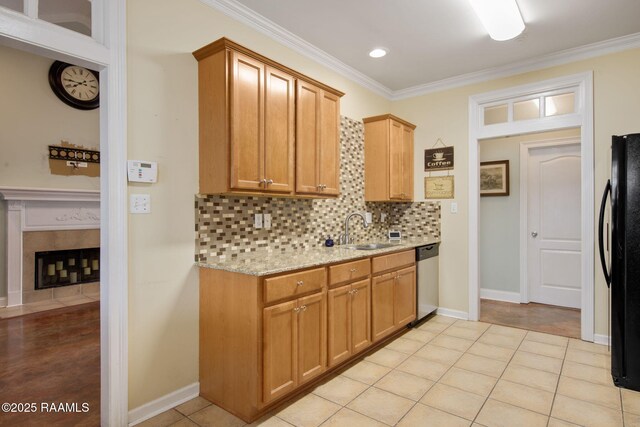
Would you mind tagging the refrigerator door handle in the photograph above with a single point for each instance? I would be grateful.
(605, 270)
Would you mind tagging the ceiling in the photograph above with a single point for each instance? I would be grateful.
(433, 40)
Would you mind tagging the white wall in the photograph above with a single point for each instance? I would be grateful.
(31, 118)
(500, 216)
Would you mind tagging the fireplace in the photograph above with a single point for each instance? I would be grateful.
(66, 267)
(40, 223)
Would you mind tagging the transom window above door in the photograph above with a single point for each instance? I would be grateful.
(538, 106)
(74, 15)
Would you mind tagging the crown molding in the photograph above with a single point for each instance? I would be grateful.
(259, 23)
(249, 17)
(540, 62)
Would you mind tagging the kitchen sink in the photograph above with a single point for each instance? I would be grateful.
(370, 246)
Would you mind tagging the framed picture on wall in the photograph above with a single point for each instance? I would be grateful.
(494, 178)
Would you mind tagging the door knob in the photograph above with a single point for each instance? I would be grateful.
(534, 234)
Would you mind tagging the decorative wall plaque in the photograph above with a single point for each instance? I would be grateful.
(69, 159)
(438, 159)
(439, 187)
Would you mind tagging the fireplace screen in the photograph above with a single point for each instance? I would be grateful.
(70, 267)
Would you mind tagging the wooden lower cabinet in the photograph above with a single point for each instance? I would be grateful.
(405, 296)
(280, 324)
(263, 339)
(295, 344)
(382, 291)
(312, 337)
(393, 301)
(349, 320)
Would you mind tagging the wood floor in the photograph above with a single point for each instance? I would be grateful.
(52, 357)
(534, 317)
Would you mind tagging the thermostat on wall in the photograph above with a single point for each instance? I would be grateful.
(142, 171)
(394, 235)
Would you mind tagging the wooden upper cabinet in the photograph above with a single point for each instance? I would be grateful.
(388, 159)
(279, 135)
(247, 120)
(317, 140)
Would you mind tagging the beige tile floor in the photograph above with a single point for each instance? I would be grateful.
(453, 373)
(36, 307)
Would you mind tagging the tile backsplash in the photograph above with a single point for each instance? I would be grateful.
(224, 225)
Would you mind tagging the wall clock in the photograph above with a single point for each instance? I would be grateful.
(76, 86)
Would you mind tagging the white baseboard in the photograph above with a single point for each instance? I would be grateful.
(496, 295)
(601, 339)
(453, 313)
(164, 403)
(3, 301)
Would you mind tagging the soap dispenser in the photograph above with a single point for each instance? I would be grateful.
(329, 242)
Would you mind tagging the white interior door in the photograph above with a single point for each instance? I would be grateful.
(554, 225)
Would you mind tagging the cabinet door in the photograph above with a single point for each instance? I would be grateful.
(312, 337)
(280, 340)
(396, 185)
(279, 119)
(382, 295)
(360, 315)
(247, 127)
(329, 167)
(307, 137)
(405, 296)
(407, 162)
(339, 315)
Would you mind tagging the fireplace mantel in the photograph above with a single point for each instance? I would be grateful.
(40, 209)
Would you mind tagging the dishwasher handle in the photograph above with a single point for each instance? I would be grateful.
(426, 252)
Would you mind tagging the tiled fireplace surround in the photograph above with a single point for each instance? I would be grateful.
(224, 225)
(47, 220)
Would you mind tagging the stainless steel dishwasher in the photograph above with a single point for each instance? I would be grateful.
(427, 281)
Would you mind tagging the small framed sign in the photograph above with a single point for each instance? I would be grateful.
(438, 159)
(439, 187)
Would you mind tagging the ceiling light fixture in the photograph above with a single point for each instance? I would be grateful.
(501, 18)
(378, 52)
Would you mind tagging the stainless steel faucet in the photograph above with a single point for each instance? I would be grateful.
(345, 237)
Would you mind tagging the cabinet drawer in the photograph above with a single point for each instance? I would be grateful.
(392, 261)
(349, 271)
(294, 284)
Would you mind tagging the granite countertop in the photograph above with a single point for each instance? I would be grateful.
(263, 263)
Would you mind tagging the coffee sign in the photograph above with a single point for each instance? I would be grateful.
(438, 159)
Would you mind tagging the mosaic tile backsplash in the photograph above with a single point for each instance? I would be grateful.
(224, 225)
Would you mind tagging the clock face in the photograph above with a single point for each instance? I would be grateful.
(80, 83)
(76, 86)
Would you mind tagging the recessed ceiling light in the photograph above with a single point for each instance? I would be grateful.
(378, 52)
(501, 18)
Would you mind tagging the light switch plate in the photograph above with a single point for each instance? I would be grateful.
(454, 207)
(140, 203)
(257, 221)
(267, 221)
(383, 217)
(368, 217)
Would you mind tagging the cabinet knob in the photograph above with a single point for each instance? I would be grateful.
(300, 283)
(303, 308)
(268, 181)
(353, 270)
(398, 276)
(355, 291)
(296, 310)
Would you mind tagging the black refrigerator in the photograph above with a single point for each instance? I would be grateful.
(623, 277)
